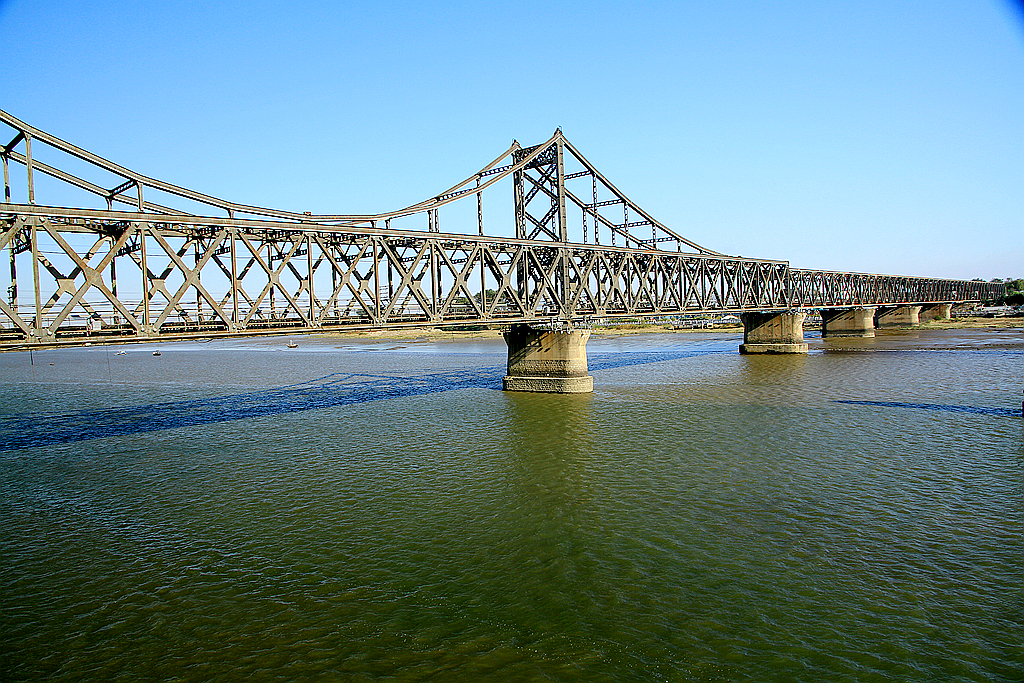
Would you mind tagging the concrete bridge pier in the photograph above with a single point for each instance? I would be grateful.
(848, 322)
(936, 312)
(775, 332)
(547, 361)
(888, 316)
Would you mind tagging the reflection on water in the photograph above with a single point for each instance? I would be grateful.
(232, 510)
(334, 390)
(1002, 412)
(563, 423)
(337, 389)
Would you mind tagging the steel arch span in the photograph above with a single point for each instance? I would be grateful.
(113, 254)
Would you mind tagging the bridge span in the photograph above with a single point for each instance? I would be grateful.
(112, 255)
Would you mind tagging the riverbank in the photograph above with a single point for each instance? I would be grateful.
(443, 333)
(631, 329)
(440, 333)
(972, 323)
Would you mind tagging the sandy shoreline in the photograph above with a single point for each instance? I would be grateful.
(441, 333)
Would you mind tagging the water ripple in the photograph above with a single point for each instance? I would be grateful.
(330, 391)
(726, 519)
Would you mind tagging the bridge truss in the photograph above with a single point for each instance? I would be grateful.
(154, 260)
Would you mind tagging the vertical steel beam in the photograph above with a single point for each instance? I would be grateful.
(309, 277)
(234, 281)
(28, 167)
(38, 320)
(563, 225)
(113, 268)
(563, 232)
(519, 203)
(480, 248)
(434, 285)
(270, 279)
(13, 291)
(376, 282)
(334, 278)
(479, 208)
(7, 180)
(391, 284)
(625, 223)
(145, 279)
(199, 276)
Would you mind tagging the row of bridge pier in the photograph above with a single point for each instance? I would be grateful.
(555, 360)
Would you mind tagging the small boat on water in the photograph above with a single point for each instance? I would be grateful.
(156, 353)
(122, 352)
(292, 345)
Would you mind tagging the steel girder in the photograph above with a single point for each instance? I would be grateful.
(96, 277)
(830, 289)
(176, 278)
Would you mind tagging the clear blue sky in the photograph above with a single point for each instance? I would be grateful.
(871, 136)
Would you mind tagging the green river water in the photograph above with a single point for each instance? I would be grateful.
(379, 511)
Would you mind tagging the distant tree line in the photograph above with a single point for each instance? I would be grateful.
(1014, 292)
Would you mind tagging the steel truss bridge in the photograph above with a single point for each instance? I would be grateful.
(158, 261)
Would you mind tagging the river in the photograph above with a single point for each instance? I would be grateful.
(380, 510)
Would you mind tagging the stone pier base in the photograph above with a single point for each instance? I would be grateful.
(848, 322)
(898, 317)
(936, 312)
(773, 333)
(547, 361)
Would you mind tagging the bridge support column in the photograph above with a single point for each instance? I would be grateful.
(936, 312)
(777, 332)
(898, 317)
(848, 322)
(547, 361)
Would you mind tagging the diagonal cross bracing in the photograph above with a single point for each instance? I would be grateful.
(156, 270)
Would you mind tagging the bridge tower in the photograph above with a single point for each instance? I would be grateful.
(539, 188)
(551, 359)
